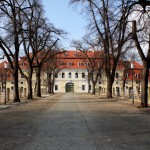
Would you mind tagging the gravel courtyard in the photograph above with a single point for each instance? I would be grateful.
(74, 122)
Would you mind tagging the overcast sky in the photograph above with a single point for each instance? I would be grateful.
(65, 17)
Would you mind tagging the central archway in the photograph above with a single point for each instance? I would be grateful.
(69, 87)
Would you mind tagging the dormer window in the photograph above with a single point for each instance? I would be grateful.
(60, 63)
(87, 64)
(75, 54)
(79, 63)
(70, 64)
(136, 75)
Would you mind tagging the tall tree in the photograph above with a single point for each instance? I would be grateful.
(146, 64)
(95, 59)
(108, 25)
(10, 41)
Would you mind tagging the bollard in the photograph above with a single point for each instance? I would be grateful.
(8, 94)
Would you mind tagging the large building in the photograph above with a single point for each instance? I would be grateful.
(74, 76)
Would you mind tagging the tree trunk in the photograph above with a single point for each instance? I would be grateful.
(2, 85)
(93, 87)
(49, 87)
(109, 88)
(30, 94)
(38, 79)
(52, 87)
(15, 80)
(144, 87)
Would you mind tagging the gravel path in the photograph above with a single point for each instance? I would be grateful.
(74, 122)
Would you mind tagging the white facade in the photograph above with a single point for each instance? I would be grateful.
(76, 77)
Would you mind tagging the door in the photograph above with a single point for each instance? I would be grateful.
(69, 87)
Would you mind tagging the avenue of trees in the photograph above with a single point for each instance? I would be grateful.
(25, 30)
(109, 27)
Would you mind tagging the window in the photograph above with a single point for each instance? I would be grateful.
(83, 87)
(100, 81)
(76, 75)
(136, 75)
(21, 82)
(56, 87)
(63, 75)
(12, 88)
(69, 74)
(87, 63)
(70, 64)
(83, 75)
(22, 76)
(79, 63)
(116, 82)
(60, 63)
(117, 75)
(12, 82)
(56, 75)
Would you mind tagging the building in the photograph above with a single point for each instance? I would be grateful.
(74, 76)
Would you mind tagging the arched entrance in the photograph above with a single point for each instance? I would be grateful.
(69, 87)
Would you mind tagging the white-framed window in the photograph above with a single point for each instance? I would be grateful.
(22, 76)
(12, 88)
(56, 75)
(76, 75)
(63, 75)
(83, 75)
(83, 87)
(79, 63)
(56, 87)
(117, 75)
(69, 74)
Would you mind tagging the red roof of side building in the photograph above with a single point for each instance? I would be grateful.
(135, 72)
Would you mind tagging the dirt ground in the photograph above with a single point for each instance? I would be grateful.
(74, 122)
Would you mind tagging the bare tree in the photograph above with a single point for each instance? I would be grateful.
(108, 25)
(95, 61)
(52, 67)
(10, 41)
(146, 64)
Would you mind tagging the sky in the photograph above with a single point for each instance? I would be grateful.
(65, 17)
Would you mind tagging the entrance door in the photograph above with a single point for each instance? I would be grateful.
(69, 87)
